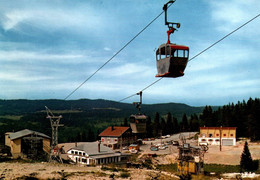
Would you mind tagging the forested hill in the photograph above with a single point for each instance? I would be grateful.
(22, 106)
(83, 119)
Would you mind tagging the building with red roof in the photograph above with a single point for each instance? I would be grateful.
(117, 136)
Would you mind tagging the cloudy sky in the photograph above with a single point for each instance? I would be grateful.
(48, 48)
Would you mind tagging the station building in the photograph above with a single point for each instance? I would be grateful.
(213, 136)
(116, 136)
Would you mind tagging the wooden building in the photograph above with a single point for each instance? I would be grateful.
(27, 143)
(116, 136)
(213, 136)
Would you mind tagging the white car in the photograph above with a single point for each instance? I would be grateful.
(203, 144)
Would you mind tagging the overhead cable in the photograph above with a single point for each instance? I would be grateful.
(199, 53)
(113, 56)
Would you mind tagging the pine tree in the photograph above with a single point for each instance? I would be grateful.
(169, 124)
(91, 135)
(246, 162)
(149, 128)
(163, 126)
(185, 125)
(125, 123)
(176, 127)
(156, 125)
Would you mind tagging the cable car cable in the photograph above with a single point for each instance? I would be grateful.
(199, 53)
(114, 55)
(224, 37)
(141, 90)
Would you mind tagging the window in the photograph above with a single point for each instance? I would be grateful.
(84, 154)
(157, 55)
(80, 153)
(217, 134)
(217, 140)
(186, 54)
(203, 140)
(102, 139)
(84, 160)
(76, 152)
(72, 152)
(163, 56)
(175, 53)
(168, 51)
(231, 135)
(180, 53)
(210, 140)
(210, 135)
(224, 134)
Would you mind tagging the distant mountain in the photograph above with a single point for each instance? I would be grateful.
(99, 106)
(83, 119)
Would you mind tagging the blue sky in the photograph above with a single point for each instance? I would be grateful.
(48, 48)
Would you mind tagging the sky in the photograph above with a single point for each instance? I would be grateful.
(48, 48)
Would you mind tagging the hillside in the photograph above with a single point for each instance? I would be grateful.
(82, 118)
(97, 107)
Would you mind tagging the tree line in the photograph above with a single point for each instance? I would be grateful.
(85, 126)
(243, 115)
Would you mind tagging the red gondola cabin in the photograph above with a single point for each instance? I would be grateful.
(171, 60)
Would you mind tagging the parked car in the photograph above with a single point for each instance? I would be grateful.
(133, 151)
(154, 148)
(203, 144)
(175, 143)
(125, 148)
(169, 142)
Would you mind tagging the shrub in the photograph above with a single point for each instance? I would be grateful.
(125, 175)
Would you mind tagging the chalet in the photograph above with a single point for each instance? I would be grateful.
(27, 143)
(91, 153)
(213, 135)
(116, 136)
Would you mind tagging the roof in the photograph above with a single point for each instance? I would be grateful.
(175, 46)
(223, 128)
(114, 131)
(26, 132)
(91, 148)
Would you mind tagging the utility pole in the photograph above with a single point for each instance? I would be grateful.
(54, 120)
(220, 139)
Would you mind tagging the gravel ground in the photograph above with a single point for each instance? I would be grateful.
(229, 155)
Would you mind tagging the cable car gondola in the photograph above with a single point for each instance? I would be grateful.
(138, 121)
(171, 59)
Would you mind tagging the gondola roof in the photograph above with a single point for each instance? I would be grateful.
(139, 116)
(175, 46)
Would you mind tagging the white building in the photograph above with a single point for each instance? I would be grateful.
(93, 153)
(213, 136)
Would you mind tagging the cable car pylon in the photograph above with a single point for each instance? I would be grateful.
(55, 154)
(138, 121)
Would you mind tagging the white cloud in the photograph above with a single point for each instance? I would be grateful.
(52, 19)
(132, 70)
(107, 49)
(233, 13)
(20, 76)
(32, 55)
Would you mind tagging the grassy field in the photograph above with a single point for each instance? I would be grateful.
(11, 117)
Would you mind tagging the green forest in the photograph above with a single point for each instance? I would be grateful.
(243, 115)
(84, 119)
